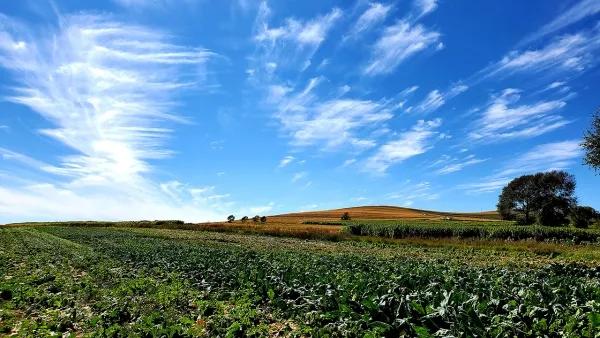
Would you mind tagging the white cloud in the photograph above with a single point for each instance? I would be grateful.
(544, 157)
(344, 90)
(258, 210)
(107, 89)
(432, 102)
(435, 99)
(577, 12)
(408, 91)
(410, 143)
(490, 184)
(571, 52)
(409, 193)
(27, 161)
(375, 14)
(298, 176)
(332, 123)
(214, 200)
(397, 43)
(425, 7)
(285, 161)
(153, 4)
(549, 156)
(49, 202)
(503, 119)
(359, 199)
(349, 162)
(556, 84)
(291, 44)
(450, 165)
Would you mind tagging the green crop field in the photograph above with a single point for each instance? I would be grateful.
(75, 281)
(500, 230)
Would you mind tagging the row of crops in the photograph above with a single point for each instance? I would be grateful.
(480, 230)
(148, 282)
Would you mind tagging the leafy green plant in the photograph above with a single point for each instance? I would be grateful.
(95, 281)
(470, 229)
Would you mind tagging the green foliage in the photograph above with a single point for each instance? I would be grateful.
(162, 224)
(470, 229)
(583, 217)
(69, 281)
(322, 223)
(230, 218)
(548, 196)
(345, 216)
(591, 144)
(244, 219)
(554, 212)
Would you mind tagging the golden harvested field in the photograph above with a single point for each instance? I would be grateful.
(379, 213)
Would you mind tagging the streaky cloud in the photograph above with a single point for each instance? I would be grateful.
(410, 143)
(579, 11)
(396, 44)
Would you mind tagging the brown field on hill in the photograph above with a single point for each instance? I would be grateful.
(380, 213)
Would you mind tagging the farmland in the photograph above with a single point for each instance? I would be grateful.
(147, 281)
(471, 229)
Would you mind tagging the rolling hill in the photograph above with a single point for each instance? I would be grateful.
(381, 212)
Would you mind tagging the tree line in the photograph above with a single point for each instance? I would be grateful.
(255, 219)
(546, 198)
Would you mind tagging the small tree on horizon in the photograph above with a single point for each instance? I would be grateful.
(263, 219)
(255, 219)
(244, 219)
(591, 144)
(345, 216)
(230, 218)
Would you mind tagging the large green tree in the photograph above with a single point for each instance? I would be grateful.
(591, 144)
(518, 198)
(547, 197)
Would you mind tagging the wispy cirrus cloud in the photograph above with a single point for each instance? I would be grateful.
(410, 193)
(571, 52)
(372, 16)
(504, 119)
(299, 176)
(310, 120)
(107, 89)
(436, 99)
(543, 157)
(396, 44)
(448, 164)
(431, 102)
(548, 156)
(291, 44)
(138, 5)
(410, 143)
(285, 161)
(579, 11)
(425, 7)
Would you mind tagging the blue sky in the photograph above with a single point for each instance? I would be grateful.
(193, 110)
